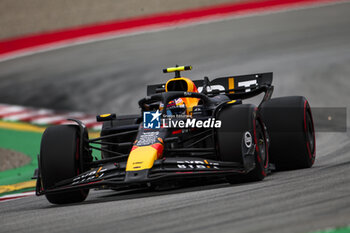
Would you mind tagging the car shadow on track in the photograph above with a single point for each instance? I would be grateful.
(101, 196)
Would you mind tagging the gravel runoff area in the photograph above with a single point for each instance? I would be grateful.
(12, 159)
(22, 17)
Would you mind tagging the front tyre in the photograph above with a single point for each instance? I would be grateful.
(261, 157)
(261, 154)
(59, 160)
(236, 121)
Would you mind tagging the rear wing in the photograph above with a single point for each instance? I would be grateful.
(229, 85)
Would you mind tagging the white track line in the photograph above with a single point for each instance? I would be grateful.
(44, 116)
(11, 109)
(16, 196)
(30, 114)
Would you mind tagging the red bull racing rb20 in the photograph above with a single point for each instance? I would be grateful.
(186, 130)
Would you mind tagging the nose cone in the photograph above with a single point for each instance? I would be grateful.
(140, 161)
(141, 158)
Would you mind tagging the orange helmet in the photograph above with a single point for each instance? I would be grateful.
(180, 84)
(183, 84)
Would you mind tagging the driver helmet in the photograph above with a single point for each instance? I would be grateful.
(175, 107)
(184, 105)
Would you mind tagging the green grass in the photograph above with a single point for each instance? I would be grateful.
(335, 230)
(26, 142)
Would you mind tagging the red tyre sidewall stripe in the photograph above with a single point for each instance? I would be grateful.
(257, 147)
(77, 155)
(311, 156)
(266, 149)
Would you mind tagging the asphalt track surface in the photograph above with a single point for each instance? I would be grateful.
(309, 52)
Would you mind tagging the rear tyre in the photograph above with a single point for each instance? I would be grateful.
(236, 121)
(59, 160)
(291, 130)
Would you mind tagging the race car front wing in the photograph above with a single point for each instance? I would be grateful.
(114, 174)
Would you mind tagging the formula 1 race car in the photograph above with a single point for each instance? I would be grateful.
(187, 130)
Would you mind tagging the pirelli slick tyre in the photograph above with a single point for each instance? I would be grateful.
(59, 160)
(237, 120)
(291, 130)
